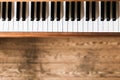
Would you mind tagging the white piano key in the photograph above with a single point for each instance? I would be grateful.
(50, 27)
(15, 26)
(1, 22)
(80, 23)
(70, 23)
(20, 22)
(65, 23)
(116, 23)
(75, 27)
(110, 23)
(55, 27)
(30, 23)
(119, 16)
(105, 23)
(45, 25)
(100, 23)
(25, 23)
(10, 23)
(90, 22)
(85, 22)
(95, 23)
(6, 28)
(35, 22)
(6, 20)
(20, 25)
(59, 23)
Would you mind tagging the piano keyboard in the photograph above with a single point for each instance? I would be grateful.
(74, 16)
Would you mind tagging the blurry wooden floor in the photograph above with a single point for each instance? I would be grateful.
(70, 58)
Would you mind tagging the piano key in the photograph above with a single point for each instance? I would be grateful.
(30, 23)
(3, 11)
(67, 6)
(85, 22)
(60, 22)
(25, 16)
(72, 10)
(11, 18)
(50, 26)
(78, 10)
(100, 22)
(38, 4)
(93, 11)
(9, 10)
(102, 10)
(18, 10)
(32, 11)
(118, 16)
(81, 22)
(44, 24)
(24, 11)
(110, 22)
(116, 22)
(90, 22)
(58, 11)
(70, 22)
(97, 17)
(108, 10)
(87, 10)
(15, 27)
(1, 22)
(5, 19)
(105, 22)
(52, 11)
(75, 26)
(43, 11)
(55, 26)
(35, 22)
(65, 18)
(114, 10)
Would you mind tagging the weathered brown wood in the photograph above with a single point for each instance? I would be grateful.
(63, 58)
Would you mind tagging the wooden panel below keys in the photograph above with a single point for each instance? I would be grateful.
(69, 58)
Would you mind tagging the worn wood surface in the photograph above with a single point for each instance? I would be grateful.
(70, 58)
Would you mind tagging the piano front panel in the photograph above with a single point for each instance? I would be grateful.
(60, 16)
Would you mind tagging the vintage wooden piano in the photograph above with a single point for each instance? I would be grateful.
(40, 18)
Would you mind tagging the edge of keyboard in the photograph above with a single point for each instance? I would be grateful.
(56, 34)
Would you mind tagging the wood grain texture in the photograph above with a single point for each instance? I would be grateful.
(70, 58)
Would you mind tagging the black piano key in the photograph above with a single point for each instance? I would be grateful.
(108, 10)
(4, 11)
(93, 11)
(102, 10)
(32, 11)
(78, 11)
(9, 11)
(67, 11)
(43, 11)
(52, 11)
(87, 10)
(38, 11)
(72, 11)
(114, 8)
(24, 11)
(18, 11)
(58, 10)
